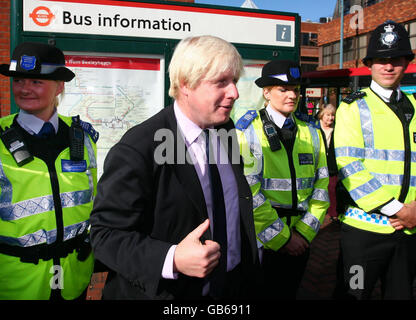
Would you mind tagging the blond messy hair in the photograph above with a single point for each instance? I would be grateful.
(202, 58)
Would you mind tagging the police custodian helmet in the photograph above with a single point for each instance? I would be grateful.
(279, 72)
(389, 40)
(37, 61)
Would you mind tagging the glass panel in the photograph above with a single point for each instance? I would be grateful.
(362, 41)
(412, 28)
(335, 47)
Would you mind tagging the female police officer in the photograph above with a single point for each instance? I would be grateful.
(285, 165)
(48, 181)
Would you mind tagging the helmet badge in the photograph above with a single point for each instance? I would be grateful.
(390, 37)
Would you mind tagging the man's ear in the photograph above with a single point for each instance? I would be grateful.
(184, 88)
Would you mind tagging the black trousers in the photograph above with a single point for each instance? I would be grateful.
(369, 256)
(282, 274)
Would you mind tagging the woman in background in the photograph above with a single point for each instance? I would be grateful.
(326, 118)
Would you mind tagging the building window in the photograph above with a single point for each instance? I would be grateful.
(411, 28)
(309, 39)
(354, 48)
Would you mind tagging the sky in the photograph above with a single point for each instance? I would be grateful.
(307, 9)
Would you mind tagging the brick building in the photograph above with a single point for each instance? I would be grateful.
(309, 51)
(357, 28)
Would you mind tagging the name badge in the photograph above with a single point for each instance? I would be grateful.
(73, 166)
(305, 158)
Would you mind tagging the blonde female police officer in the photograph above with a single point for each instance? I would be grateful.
(48, 179)
(285, 165)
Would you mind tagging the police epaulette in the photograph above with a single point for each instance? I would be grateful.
(87, 127)
(310, 120)
(245, 120)
(354, 96)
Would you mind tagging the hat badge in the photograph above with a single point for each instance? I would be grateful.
(390, 37)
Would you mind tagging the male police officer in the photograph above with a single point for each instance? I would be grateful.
(285, 165)
(375, 142)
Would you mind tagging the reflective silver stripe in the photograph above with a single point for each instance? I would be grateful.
(43, 236)
(22, 209)
(258, 200)
(90, 149)
(316, 144)
(365, 189)
(15, 211)
(252, 179)
(286, 184)
(322, 173)
(271, 231)
(310, 220)
(255, 148)
(93, 164)
(350, 169)
(253, 141)
(366, 123)
(277, 184)
(390, 179)
(373, 218)
(361, 153)
(320, 194)
(6, 193)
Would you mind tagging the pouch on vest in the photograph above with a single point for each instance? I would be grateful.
(14, 142)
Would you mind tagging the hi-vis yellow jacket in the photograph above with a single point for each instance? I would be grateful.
(376, 158)
(296, 181)
(29, 224)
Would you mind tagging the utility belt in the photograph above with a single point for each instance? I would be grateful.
(46, 252)
(283, 212)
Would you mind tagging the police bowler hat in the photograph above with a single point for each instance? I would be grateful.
(279, 72)
(37, 61)
(389, 40)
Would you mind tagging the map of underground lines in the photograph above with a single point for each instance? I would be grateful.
(113, 94)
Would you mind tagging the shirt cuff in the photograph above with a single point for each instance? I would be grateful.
(167, 271)
(391, 208)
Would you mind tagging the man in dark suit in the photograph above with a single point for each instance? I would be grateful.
(173, 214)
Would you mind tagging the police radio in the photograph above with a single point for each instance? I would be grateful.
(14, 142)
(270, 131)
(76, 140)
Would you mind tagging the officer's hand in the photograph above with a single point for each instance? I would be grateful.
(296, 246)
(405, 217)
(193, 258)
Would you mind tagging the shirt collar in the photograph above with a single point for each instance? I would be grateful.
(384, 93)
(277, 117)
(33, 124)
(190, 130)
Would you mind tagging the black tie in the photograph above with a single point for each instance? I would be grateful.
(393, 97)
(288, 124)
(46, 131)
(217, 281)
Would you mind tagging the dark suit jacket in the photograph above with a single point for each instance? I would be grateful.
(142, 208)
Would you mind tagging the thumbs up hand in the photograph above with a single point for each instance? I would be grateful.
(194, 258)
